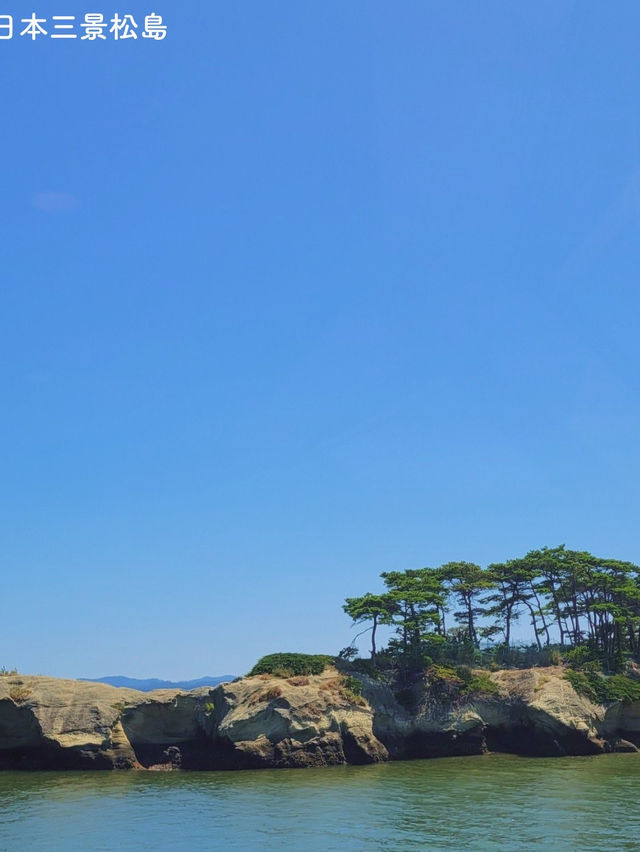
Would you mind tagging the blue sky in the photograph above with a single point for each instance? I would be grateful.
(303, 293)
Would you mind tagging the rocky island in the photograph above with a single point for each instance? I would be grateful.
(437, 689)
(333, 717)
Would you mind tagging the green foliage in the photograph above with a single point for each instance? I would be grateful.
(444, 674)
(419, 599)
(465, 581)
(353, 685)
(581, 608)
(351, 689)
(288, 665)
(602, 689)
(209, 707)
(517, 656)
(481, 684)
(378, 609)
(462, 680)
(578, 657)
(619, 687)
(451, 652)
(367, 667)
(584, 684)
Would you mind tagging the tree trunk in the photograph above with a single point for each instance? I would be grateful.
(544, 620)
(472, 632)
(534, 624)
(373, 638)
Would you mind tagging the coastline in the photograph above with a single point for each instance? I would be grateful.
(264, 721)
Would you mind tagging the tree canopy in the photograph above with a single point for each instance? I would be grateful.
(569, 599)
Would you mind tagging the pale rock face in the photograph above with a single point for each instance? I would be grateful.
(303, 721)
(548, 703)
(265, 721)
(68, 723)
(63, 712)
(536, 711)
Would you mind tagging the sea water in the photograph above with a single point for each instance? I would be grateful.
(464, 803)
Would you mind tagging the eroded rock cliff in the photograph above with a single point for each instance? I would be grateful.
(267, 721)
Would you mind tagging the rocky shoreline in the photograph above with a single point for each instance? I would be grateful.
(266, 721)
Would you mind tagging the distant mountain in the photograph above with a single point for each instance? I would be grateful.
(148, 684)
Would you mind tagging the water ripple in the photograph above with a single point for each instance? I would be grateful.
(477, 803)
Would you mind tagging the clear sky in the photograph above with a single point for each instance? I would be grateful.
(305, 292)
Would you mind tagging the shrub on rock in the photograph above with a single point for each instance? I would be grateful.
(289, 665)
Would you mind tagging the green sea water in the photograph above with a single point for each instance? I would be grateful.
(492, 802)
